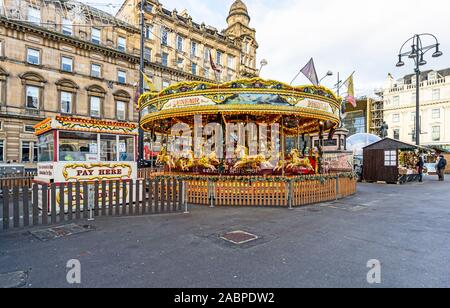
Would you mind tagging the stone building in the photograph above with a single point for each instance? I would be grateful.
(63, 57)
(178, 48)
(399, 100)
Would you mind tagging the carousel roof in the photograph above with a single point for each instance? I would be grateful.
(245, 97)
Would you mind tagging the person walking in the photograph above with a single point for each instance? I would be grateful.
(441, 165)
(420, 165)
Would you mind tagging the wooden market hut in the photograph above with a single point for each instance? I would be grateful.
(381, 161)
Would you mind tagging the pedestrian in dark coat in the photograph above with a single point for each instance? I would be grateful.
(441, 165)
(420, 165)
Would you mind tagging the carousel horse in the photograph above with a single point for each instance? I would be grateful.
(165, 158)
(297, 161)
(187, 161)
(255, 162)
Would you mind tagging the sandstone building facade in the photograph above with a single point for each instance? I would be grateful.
(71, 59)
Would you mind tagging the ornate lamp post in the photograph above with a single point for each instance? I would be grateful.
(417, 53)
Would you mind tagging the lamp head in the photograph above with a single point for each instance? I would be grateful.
(264, 62)
(400, 63)
(437, 53)
(329, 73)
(422, 61)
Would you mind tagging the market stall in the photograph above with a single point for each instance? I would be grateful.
(85, 150)
(392, 161)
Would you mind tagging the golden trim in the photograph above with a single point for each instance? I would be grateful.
(97, 165)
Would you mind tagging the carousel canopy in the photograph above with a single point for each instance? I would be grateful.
(298, 109)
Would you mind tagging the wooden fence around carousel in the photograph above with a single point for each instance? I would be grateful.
(42, 205)
(269, 192)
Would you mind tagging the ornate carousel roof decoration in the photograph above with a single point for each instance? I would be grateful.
(300, 107)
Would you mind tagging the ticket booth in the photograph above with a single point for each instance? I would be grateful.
(78, 150)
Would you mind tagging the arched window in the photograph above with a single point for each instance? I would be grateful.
(33, 91)
(67, 91)
(96, 98)
(3, 77)
(122, 105)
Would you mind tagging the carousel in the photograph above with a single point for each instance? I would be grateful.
(245, 142)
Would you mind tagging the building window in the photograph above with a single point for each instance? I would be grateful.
(180, 62)
(164, 36)
(436, 113)
(148, 54)
(397, 134)
(66, 102)
(67, 27)
(28, 128)
(436, 94)
(148, 8)
(206, 55)
(2, 151)
(165, 59)
(396, 100)
(121, 77)
(34, 15)
(96, 36)
(29, 153)
(206, 73)
(390, 158)
(32, 97)
(413, 116)
(231, 62)
(436, 133)
(165, 84)
(122, 43)
(193, 49)
(96, 71)
(95, 106)
(432, 76)
(33, 56)
(149, 32)
(66, 64)
(180, 42)
(194, 69)
(121, 110)
(2, 49)
(219, 58)
(396, 118)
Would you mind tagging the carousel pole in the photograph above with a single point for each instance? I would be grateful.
(283, 149)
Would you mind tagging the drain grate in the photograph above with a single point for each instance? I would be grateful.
(61, 231)
(238, 237)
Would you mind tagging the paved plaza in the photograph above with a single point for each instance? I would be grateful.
(405, 227)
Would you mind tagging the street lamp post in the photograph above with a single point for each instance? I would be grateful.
(417, 53)
(141, 85)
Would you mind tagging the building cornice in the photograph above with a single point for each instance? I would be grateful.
(56, 36)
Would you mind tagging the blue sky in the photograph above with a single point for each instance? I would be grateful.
(342, 36)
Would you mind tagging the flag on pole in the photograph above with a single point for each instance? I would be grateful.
(350, 91)
(310, 72)
(149, 83)
(213, 65)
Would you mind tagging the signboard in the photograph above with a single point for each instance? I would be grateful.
(97, 171)
(188, 102)
(315, 105)
(86, 171)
